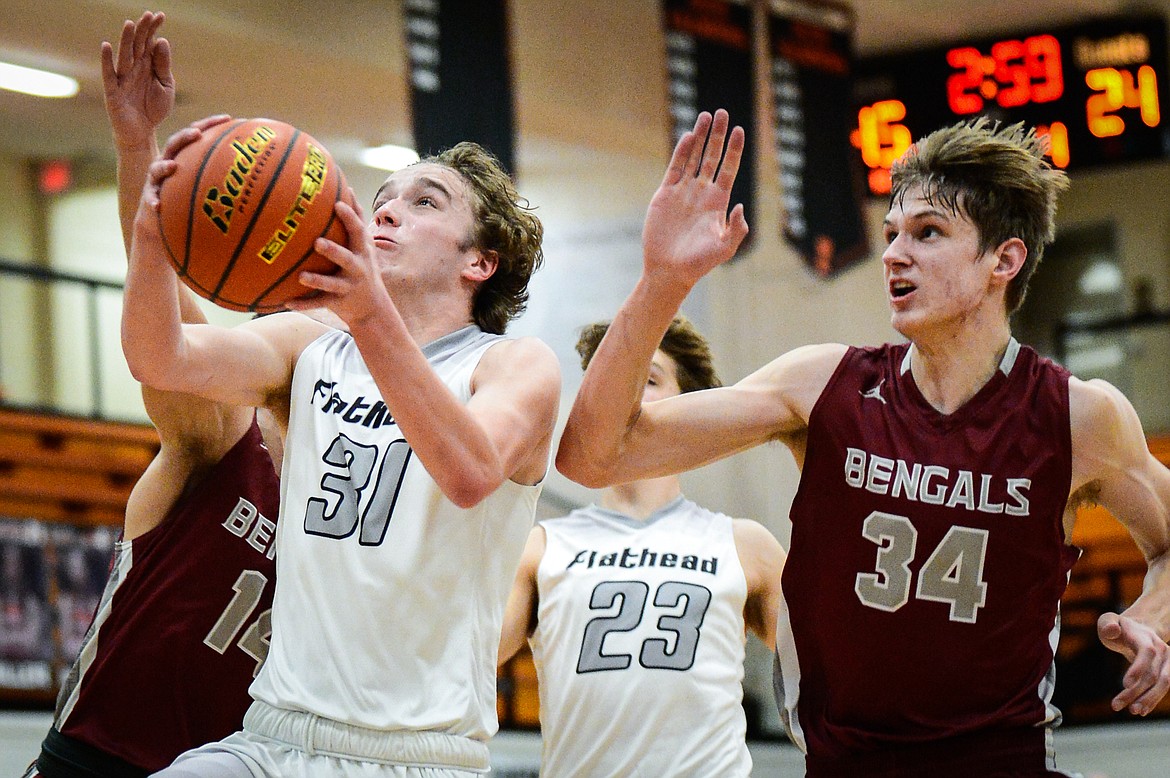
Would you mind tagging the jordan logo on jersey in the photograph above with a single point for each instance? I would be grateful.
(368, 414)
(874, 393)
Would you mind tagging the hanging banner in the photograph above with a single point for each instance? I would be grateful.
(710, 64)
(811, 50)
(460, 76)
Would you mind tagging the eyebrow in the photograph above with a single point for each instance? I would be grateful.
(422, 182)
(925, 213)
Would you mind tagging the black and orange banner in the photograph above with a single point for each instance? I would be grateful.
(810, 44)
(711, 65)
(460, 75)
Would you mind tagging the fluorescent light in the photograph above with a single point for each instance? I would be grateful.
(388, 157)
(36, 82)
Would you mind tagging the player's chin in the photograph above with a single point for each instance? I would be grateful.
(904, 322)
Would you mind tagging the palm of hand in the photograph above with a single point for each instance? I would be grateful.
(687, 227)
(688, 230)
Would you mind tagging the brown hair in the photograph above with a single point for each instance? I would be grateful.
(997, 177)
(505, 225)
(682, 343)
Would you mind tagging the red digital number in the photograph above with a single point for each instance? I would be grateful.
(963, 87)
(1057, 141)
(1012, 73)
(1016, 73)
(1042, 59)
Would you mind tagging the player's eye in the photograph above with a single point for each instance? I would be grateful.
(426, 200)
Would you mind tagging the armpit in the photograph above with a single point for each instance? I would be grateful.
(1087, 496)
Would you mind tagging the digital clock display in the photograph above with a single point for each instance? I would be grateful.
(1096, 89)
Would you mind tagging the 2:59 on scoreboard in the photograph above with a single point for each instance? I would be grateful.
(1097, 89)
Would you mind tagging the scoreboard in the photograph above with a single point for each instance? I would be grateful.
(1097, 89)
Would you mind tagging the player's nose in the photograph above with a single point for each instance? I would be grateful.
(387, 213)
(895, 252)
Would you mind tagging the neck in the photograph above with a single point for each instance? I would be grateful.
(429, 319)
(640, 499)
(950, 370)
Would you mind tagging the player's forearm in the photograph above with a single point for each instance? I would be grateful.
(1152, 608)
(441, 431)
(608, 402)
(134, 158)
(151, 325)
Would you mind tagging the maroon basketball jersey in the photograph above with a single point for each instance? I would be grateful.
(927, 557)
(184, 621)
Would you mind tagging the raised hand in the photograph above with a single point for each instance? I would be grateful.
(1148, 678)
(139, 86)
(688, 230)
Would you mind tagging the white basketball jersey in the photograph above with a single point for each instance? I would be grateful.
(390, 598)
(639, 645)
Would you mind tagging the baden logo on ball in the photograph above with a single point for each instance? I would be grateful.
(241, 213)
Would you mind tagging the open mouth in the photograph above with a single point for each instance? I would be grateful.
(901, 288)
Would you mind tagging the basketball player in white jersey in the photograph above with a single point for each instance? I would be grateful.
(637, 611)
(415, 448)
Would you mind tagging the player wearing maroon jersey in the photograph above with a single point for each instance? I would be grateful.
(940, 479)
(183, 622)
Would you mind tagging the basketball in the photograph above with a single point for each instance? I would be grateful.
(241, 212)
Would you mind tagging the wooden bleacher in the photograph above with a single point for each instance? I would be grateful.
(65, 470)
(59, 468)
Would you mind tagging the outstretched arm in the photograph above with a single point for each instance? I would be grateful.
(194, 433)
(687, 233)
(1111, 460)
(139, 92)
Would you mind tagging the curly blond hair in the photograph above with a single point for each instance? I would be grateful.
(505, 225)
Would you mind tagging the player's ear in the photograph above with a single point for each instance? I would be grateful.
(1009, 259)
(482, 266)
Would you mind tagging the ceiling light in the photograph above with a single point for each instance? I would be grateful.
(36, 82)
(388, 157)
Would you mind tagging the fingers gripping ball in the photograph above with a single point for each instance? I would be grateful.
(241, 212)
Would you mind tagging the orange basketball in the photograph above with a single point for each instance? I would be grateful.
(241, 212)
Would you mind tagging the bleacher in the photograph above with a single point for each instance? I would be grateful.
(66, 469)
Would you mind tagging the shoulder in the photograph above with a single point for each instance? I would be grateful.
(1106, 431)
(533, 550)
(1098, 411)
(526, 350)
(530, 358)
(289, 331)
(802, 367)
(755, 539)
(760, 555)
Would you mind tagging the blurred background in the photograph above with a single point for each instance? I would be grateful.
(583, 101)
